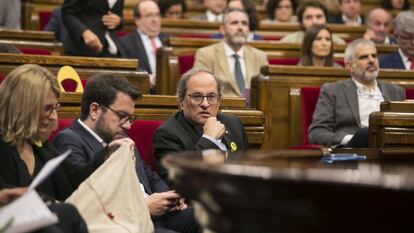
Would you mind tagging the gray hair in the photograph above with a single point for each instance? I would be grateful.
(182, 85)
(349, 51)
(404, 22)
(230, 10)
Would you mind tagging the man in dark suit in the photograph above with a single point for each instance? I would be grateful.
(93, 26)
(350, 13)
(106, 114)
(214, 12)
(199, 125)
(342, 112)
(143, 42)
(404, 33)
(379, 23)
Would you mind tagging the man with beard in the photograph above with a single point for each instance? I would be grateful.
(404, 33)
(231, 60)
(106, 114)
(199, 125)
(342, 112)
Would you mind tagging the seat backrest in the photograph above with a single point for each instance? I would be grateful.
(409, 93)
(309, 97)
(68, 73)
(185, 62)
(63, 123)
(284, 61)
(35, 51)
(44, 17)
(142, 132)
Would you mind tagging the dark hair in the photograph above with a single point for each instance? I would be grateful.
(251, 11)
(387, 5)
(315, 4)
(164, 5)
(273, 4)
(103, 89)
(310, 36)
(8, 48)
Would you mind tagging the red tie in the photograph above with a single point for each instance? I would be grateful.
(154, 46)
(412, 64)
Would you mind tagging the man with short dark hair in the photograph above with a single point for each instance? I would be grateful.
(350, 13)
(199, 125)
(342, 112)
(142, 44)
(379, 23)
(404, 33)
(310, 13)
(214, 12)
(232, 60)
(106, 114)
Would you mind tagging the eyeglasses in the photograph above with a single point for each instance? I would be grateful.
(48, 110)
(198, 98)
(123, 117)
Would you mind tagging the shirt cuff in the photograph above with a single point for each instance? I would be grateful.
(215, 141)
(346, 139)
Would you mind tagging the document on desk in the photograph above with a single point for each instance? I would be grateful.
(48, 168)
(26, 213)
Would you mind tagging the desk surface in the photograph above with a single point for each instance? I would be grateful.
(293, 191)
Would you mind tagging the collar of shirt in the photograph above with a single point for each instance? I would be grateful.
(405, 59)
(364, 88)
(230, 52)
(111, 3)
(346, 19)
(91, 132)
(211, 17)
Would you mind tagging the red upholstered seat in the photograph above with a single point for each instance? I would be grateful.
(185, 62)
(62, 124)
(409, 93)
(284, 61)
(44, 17)
(35, 51)
(272, 37)
(142, 132)
(122, 33)
(70, 85)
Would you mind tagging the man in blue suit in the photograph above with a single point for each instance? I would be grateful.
(404, 33)
(106, 114)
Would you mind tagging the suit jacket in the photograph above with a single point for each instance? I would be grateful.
(213, 57)
(392, 61)
(13, 171)
(85, 147)
(338, 19)
(337, 112)
(177, 134)
(134, 48)
(79, 15)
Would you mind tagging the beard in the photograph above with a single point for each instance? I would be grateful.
(102, 131)
(365, 76)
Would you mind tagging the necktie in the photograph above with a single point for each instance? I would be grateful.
(412, 64)
(238, 73)
(154, 46)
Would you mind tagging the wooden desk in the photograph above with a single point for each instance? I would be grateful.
(291, 191)
(162, 107)
(276, 92)
(85, 66)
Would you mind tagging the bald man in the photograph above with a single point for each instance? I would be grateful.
(379, 25)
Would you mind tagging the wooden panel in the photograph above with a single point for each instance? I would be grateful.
(272, 94)
(85, 66)
(159, 107)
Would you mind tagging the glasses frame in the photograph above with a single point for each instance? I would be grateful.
(204, 96)
(123, 118)
(48, 109)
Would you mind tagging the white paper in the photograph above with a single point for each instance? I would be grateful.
(28, 212)
(48, 168)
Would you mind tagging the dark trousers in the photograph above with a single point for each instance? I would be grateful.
(177, 221)
(360, 139)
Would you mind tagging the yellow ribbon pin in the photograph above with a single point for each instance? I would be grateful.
(233, 146)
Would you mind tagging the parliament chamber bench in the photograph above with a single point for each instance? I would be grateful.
(32, 42)
(178, 56)
(277, 93)
(86, 67)
(393, 126)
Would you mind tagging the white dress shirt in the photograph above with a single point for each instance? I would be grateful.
(405, 59)
(112, 49)
(146, 40)
(231, 61)
(346, 20)
(211, 17)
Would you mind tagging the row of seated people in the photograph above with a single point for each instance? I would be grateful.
(106, 116)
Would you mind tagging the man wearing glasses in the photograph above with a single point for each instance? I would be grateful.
(106, 114)
(404, 33)
(199, 125)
